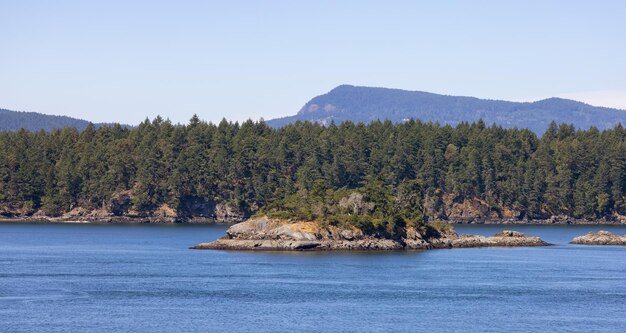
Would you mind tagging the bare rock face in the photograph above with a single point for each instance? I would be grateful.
(165, 210)
(262, 233)
(225, 213)
(251, 229)
(414, 240)
(467, 209)
(601, 238)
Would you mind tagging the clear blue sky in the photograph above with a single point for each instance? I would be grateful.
(123, 61)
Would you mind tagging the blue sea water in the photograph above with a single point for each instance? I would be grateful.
(142, 278)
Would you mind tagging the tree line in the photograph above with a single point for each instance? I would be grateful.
(307, 169)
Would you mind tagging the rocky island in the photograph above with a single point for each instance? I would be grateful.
(602, 237)
(263, 233)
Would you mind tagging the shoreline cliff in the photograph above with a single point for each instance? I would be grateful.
(122, 213)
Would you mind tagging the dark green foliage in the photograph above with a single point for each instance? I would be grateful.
(377, 176)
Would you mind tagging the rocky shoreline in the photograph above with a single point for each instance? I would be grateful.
(167, 219)
(602, 237)
(262, 233)
(113, 220)
(220, 214)
(119, 211)
(554, 220)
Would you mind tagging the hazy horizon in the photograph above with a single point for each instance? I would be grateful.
(122, 62)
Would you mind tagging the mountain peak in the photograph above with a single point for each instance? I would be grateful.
(343, 87)
(366, 104)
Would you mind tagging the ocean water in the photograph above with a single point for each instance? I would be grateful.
(138, 278)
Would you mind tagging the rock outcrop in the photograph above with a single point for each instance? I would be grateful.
(506, 238)
(602, 237)
(266, 234)
(262, 233)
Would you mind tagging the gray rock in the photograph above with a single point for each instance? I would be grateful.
(603, 237)
(250, 229)
(286, 232)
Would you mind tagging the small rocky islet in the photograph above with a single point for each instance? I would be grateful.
(602, 237)
(263, 233)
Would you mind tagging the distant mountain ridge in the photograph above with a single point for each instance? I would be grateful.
(366, 104)
(34, 121)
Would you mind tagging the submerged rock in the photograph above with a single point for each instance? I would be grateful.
(262, 233)
(601, 238)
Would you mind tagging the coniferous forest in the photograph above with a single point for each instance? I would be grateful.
(412, 170)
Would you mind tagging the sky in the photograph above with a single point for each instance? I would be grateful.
(123, 61)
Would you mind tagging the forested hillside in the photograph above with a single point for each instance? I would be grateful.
(366, 104)
(304, 170)
(33, 121)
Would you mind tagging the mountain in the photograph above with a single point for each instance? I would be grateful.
(33, 121)
(366, 104)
